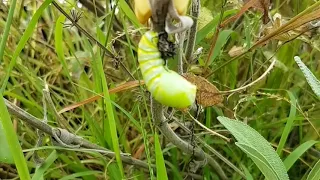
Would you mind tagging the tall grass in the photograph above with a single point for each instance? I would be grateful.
(39, 49)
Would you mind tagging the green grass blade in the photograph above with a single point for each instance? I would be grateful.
(221, 41)
(80, 174)
(47, 163)
(14, 145)
(109, 120)
(25, 37)
(7, 28)
(297, 153)
(129, 13)
(5, 154)
(58, 43)
(161, 167)
(210, 27)
(311, 79)
(289, 124)
(315, 172)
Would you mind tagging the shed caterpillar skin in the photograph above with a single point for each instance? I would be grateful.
(166, 86)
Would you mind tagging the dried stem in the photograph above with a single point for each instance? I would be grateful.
(180, 54)
(39, 124)
(193, 30)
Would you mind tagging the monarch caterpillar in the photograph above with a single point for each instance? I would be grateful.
(166, 86)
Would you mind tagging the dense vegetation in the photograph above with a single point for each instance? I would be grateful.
(81, 76)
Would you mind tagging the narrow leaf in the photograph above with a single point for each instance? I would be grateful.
(312, 80)
(5, 154)
(315, 172)
(297, 153)
(47, 163)
(161, 167)
(23, 40)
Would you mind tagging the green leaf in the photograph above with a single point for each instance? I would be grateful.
(221, 41)
(23, 40)
(252, 140)
(289, 124)
(210, 27)
(129, 13)
(296, 154)
(14, 144)
(312, 80)
(161, 167)
(80, 174)
(5, 154)
(47, 163)
(259, 160)
(315, 172)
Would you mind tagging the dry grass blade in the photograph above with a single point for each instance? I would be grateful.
(261, 5)
(122, 87)
(290, 25)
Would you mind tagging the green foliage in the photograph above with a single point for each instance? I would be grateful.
(5, 155)
(315, 172)
(25, 37)
(39, 174)
(257, 148)
(297, 153)
(221, 41)
(12, 140)
(37, 48)
(161, 167)
(209, 28)
(312, 80)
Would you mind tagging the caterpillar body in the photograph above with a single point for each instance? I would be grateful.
(166, 86)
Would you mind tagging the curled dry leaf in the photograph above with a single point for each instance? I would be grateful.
(236, 51)
(207, 93)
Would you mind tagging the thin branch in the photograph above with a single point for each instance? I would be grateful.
(209, 130)
(193, 30)
(70, 138)
(39, 124)
(253, 82)
(181, 37)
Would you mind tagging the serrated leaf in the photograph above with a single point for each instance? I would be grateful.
(311, 79)
(259, 160)
(250, 137)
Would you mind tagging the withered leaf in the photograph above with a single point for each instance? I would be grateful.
(260, 5)
(207, 93)
(263, 7)
(236, 51)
